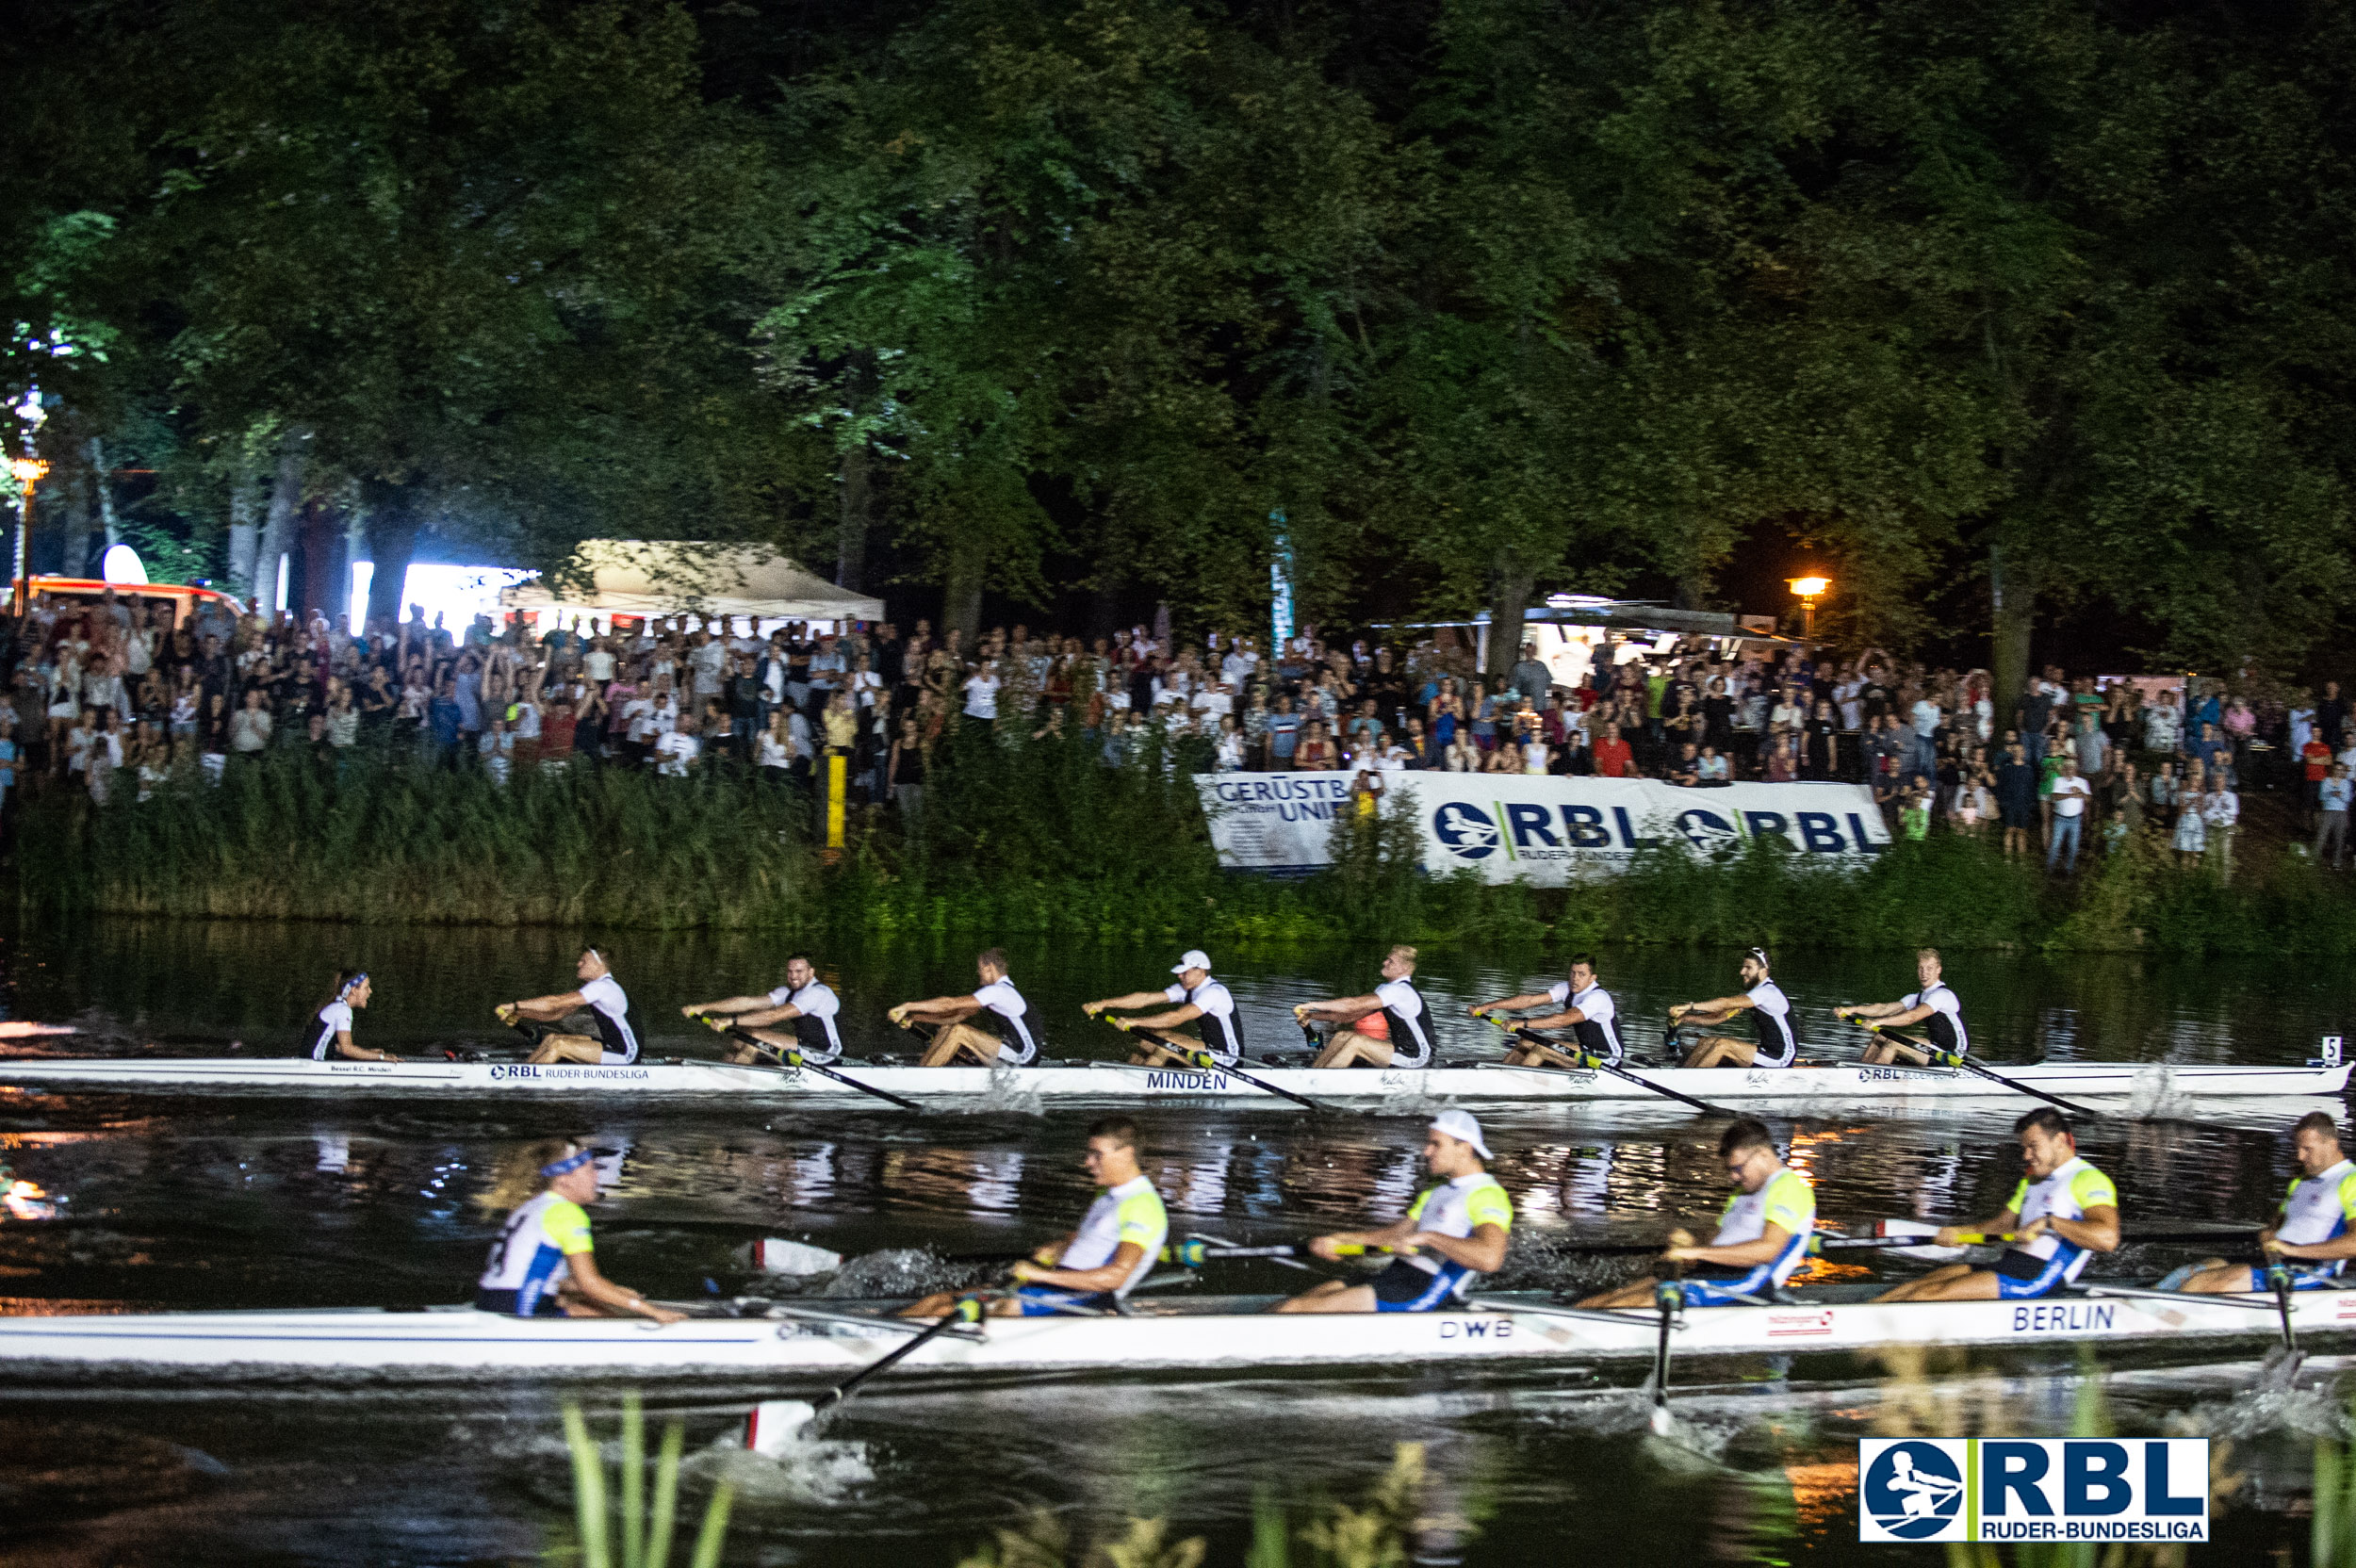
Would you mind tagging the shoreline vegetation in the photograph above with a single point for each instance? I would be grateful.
(1042, 838)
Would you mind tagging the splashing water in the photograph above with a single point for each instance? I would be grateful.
(806, 1467)
(898, 1271)
(1006, 1096)
(2153, 1096)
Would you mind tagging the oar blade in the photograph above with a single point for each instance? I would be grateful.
(778, 1255)
(776, 1425)
(1928, 1252)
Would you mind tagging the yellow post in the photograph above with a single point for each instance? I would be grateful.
(838, 775)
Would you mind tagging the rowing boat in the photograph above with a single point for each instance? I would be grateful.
(820, 1341)
(1846, 1083)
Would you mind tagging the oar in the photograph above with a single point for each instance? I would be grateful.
(1669, 1296)
(1599, 1065)
(2282, 1366)
(965, 1312)
(1953, 1059)
(796, 1060)
(1201, 1062)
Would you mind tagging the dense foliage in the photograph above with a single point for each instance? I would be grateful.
(1051, 297)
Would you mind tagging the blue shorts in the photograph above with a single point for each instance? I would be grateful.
(1046, 1301)
(2031, 1276)
(1404, 1287)
(504, 1303)
(2318, 1276)
(1729, 1292)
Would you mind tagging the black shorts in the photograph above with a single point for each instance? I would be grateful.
(1399, 1284)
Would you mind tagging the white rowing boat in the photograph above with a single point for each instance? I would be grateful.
(823, 1341)
(1844, 1084)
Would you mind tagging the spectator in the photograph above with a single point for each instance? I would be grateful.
(2331, 818)
(1284, 735)
(2332, 716)
(1530, 677)
(2314, 759)
(497, 747)
(2017, 796)
(1614, 758)
(2093, 750)
(1316, 754)
(1686, 771)
(2221, 813)
(2030, 713)
(2126, 802)
(1712, 770)
(250, 727)
(2070, 796)
(2191, 838)
(2164, 724)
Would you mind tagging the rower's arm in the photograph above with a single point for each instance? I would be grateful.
(1895, 1017)
(1718, 1009)
(765, 1015)
(2343, 1246)
(1345, 1009)
(1110, 1276)
(549, 1009)
(346, 1049)
(1393, 1234)
(1513, 1004)
(587, 1283)
(1484, 1249)
(1768, 1245)
(1183, 1014)
(1133, 999)
(2002, 1225)
(2098, 1231)
(1870, 1009)
(1555, 1020)
(728, 1008)
(939, 1010)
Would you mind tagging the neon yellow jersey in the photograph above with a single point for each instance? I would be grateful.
(1785, 1198)
(2067, 1194)
(530, 1256)
(1130, 1212)
(2319, 1208)
(1461, 1206)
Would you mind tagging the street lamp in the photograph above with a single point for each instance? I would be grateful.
(27, 472)
(1809, 590)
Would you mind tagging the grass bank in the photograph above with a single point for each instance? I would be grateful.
(1041, 838)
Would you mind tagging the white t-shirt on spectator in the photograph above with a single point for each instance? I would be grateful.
(981, 696)
(600, 663)
(2070, 795)
(707, 662)
(677, 751)
(773, 751)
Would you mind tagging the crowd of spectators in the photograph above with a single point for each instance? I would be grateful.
(107, 693)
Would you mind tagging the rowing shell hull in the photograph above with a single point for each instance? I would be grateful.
(1214, 1335)
(1847, 1084)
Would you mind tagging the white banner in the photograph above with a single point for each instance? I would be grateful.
(1542, 830)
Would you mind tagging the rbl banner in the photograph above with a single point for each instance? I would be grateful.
(2059, 1489)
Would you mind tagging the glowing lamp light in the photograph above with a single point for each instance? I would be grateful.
(1811, 587)
(27, 470)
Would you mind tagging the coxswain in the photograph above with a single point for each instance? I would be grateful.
(805, 1001)
(544, 1263)
(1196, 997)
(2312, 1233)
(1402, 1010)
(1456, 1229)
(1119, 1241)
(331, 1026)
(2063, 1213)
(1763, 1234)
(1931, 1003)
(955, 1021)
(1577, 1002)
(1778, 1041)
(615, 1042)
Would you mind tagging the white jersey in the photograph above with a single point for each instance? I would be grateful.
(814, 1032)
(2318, 1209)
(1017, 1045)
(2067, 1194)
(1598, 1030)
(332, 1020)
(1778, 1041)
(610, 1009)
(1784, 1198)
(533, 1253)
(1130, 1212)
(1221, 1037)
(1945, 1024)
(1411, 1023)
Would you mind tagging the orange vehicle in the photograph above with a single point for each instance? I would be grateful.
(72, 593)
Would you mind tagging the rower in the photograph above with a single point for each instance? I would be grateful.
(2314, 1227)
(954, 1036)
(331, 1026)
(805, 1001)
(2063, 1213)
(1456, 1229)
(1931, 1003)
(544, 1263)
(1094, 1269)
(1401, 1008)
(1778, 1043)
(1762, 1235)
(1579, 1004)
(1197, 996)
(613, 1044)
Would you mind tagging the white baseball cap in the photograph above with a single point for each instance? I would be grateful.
(1194, 957)
(1461, 1126)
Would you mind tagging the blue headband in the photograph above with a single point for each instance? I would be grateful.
(568, 1164)
(352, 985)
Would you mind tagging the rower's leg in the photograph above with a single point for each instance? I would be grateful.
(1163, 1048)
(569, 1048)
(1636, 1293)
(1348, 1048)
(1719, 1051)
(2218, 1278)
(1332, 1295)
(1879, 1054)
(1954, 1282)
(934, 1305)
(949, 1043)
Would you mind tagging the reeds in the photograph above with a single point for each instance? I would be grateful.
(646, 1530)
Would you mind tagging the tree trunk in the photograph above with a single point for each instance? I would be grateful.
(2012, 585)
(102, 478)
(392, 526)
(326, 579)
(1506, 609)
(278, 526)
(77, 521)
(245, 535)
(961, 595)
(850, 571)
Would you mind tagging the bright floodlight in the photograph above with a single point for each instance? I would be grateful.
(27, 470)
(1811, 587)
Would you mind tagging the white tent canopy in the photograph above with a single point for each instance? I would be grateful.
(663, 577)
